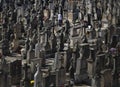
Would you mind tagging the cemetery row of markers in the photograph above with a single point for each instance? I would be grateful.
(59, 43)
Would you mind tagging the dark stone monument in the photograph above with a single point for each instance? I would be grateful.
(81, 67)
(5, 47)
(30, 53)
(26, 47)
(38, 77)
(106, 78)
(90, 61)
(60, 75)
(25, 82)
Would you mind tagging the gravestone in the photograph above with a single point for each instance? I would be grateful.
(15, 44)
(5, 47)
(72, 67)
(100, 62)
(99, 13)
(81, 67)
(64, 57)
(89, 12)
(53, 43)
(43, 56)
(25, 82)
(34, 39)
(38, 77)
(15, 71)
(26, 47)
(60, 77)
(69, 55)
(61, 41)
(93, 33)
(73, 32)
(118, 31)
(95, 14)
(67, 27)
(98, 67)
(37, 50)
(46, 43)
(81, 71)
(114, 41)
(3, 72)
(17, 30)
(45, 77)
(106, 78)
(70, 16)
(60, 74)
(104, 21)
(90, 63)
(30, 53)
(116, 70)
(114, 20)
(56, 63)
